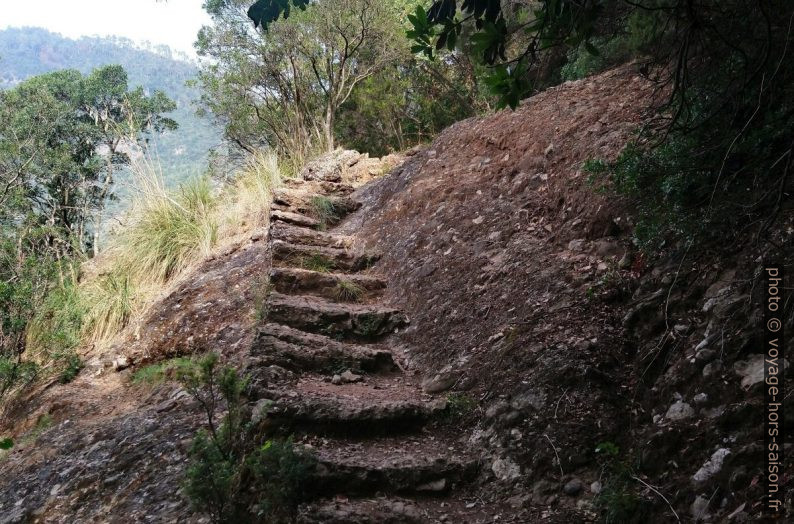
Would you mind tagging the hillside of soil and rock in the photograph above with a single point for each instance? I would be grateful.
(473, 337)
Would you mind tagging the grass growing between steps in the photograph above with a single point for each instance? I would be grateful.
(237, 472)
(325, 211)
(319, 263)
(348, 291)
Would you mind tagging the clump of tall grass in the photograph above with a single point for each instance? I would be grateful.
(110, 303)
(168, 230)
(324, 210)
(246, 200)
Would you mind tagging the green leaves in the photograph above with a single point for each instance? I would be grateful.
(264, 12)
(508, 84)
(6, 443)
(422, 32)
(550, 23)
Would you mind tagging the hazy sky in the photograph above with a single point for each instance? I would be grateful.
(172, 22)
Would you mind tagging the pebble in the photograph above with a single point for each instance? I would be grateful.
(573, 487)
(680, 411)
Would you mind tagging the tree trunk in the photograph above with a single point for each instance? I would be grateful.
(328, 128)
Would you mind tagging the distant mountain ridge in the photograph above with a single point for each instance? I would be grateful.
(31, 51)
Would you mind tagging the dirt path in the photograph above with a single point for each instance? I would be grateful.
(323, 360)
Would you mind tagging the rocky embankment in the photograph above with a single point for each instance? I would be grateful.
(470, 336)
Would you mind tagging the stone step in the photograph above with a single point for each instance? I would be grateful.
(292, 349)
(334, 286)
(380, 510)
(310, 237)
(312, 204)
(319, 187)
(334, 319)
(294, 218)
(320, 258)
(459, 508)
(422, 464)
(314, 403)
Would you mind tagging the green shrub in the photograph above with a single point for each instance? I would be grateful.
(15, 372)
(231, 476)
(278, 474)
(618, 500)
(154, 374)
(668, 190)
(72, 367)
(602, 53)
(459, 406)
(56, 328)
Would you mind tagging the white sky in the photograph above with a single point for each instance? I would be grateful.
(172, 22)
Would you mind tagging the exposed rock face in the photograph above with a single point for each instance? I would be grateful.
(351, 167)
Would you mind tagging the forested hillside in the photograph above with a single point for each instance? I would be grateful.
(27, 52)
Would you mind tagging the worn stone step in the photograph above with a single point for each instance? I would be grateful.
(311, 237)
(421, 464)
(294, 218)
(334, 286)
(334, 319)
(458, 508)
(320, 258)
(292, 349)
(351, 408)
(312, 204)
(380, 510)
(319, 186)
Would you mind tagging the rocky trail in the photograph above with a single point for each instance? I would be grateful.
(322, 367)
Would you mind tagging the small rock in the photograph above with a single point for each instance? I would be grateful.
(496, 409)
(434, 486)
(478, 220)
(701, 398)
(712, 466)
(350, 377)
(752, 370)
(439, 383)
(576, 245)
(573, 487)
(528, 399)
(679, 411)
(595, 488)
(711, 368)
(705, 355)
(495, 337)
(337, 379)
(506, 469)
(699, 507)
(121, 363)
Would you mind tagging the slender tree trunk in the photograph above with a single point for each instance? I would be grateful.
(329, 129)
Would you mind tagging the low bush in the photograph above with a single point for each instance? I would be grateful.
(236, 473)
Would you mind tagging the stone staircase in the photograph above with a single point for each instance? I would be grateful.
(322, 365)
